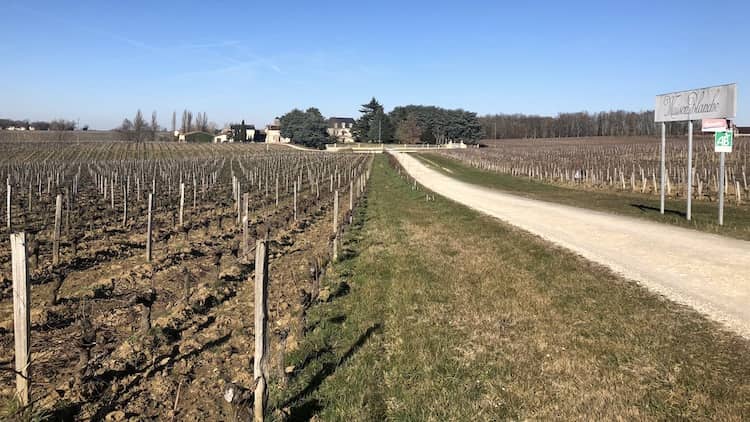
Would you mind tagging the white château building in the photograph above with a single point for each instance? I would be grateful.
(341, 128)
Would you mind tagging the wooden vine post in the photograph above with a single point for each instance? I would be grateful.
(260, 367)
(335, 211)
(335, 225)
(245, 205)
(239, 207)
(335, 248)
(245, 224)
(56, 235)
(21, 315)
(124, 206)
(7, 215)
(67, 212)
(182, 204)
(149, 227)
(351, 201)
(195, 192)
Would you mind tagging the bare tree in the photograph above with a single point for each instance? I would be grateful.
(60, 124)
(201, 122)
(189, 121)
(198, 120)
(184, 127)
(139, 126)
(212, 127)
(174, 121)
(126, 128)
(154, 126)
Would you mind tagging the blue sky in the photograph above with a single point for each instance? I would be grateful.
(101, 60)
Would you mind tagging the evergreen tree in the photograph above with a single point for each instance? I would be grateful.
(438, 125)
(408, 131)
(307, 128)
(362, 129)
(381, 128)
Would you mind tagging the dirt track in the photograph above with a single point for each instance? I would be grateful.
(707, 272)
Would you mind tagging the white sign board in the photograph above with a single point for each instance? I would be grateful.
(703, 103)
(713, 125)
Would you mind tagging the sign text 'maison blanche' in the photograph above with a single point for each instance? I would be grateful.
(704, 103)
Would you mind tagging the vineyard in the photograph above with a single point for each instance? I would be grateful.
(617, 164)
(145, 306)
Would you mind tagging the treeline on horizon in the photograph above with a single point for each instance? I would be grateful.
(408, 124)
(413, 124)
(581, 124)
(57, 124)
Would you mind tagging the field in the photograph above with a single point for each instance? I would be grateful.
(612, 179)
(617, 164)
(432, 311)
(36, 136)
(113, 334)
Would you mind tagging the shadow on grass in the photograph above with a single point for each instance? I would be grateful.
(351, 247)
(312, 356)
(646, 208)
(305, 410)
(339, 319)
(342, 289)
(348, 253)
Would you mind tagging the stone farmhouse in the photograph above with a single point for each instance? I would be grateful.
(341, 129)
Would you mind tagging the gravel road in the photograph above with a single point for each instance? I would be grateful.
(708, 272)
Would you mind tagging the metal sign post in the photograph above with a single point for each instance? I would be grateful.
(721, 188)
(716, 102)
(690, 171)
(722, 145)
(663, 163)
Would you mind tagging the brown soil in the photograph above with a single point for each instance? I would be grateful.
(95, 352)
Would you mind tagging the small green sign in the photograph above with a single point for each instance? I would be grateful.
(723, 141)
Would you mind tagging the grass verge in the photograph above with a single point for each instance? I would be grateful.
(452, 315)
(704, 214)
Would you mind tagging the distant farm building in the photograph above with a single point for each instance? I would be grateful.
(341, 129)
(273, 133)
(243, 132)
